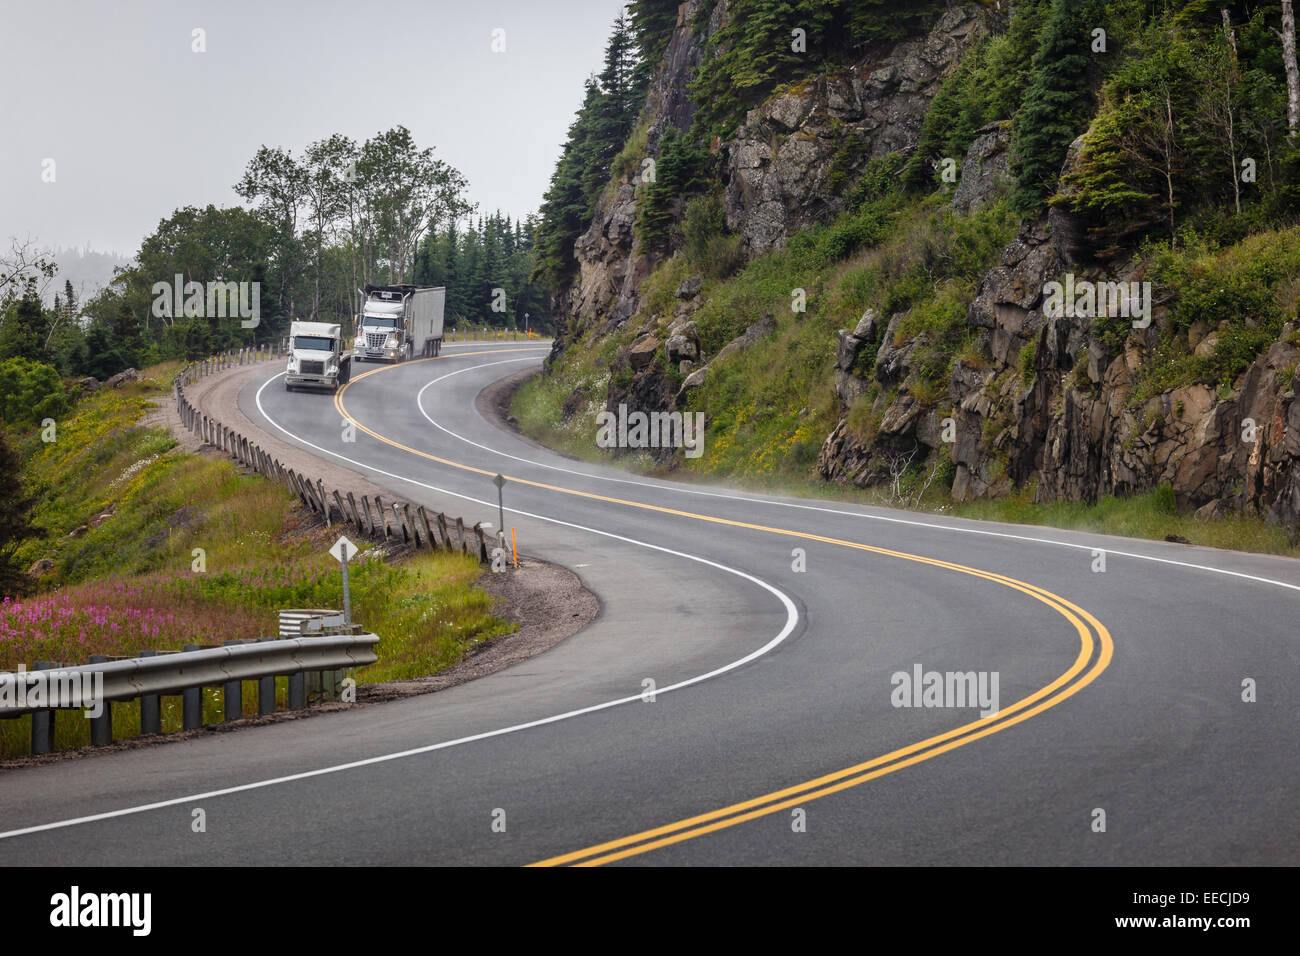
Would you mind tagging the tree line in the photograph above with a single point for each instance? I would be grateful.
(317, 226)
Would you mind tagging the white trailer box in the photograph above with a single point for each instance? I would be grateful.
(399, 322)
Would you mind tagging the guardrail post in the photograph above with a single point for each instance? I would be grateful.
(43, 722)
(482, 549)
(460, 533)
(324, 502)
(101, 727)
(232, 694)
(150, 708)
(266, 695)
(379, 513)
(331, 685)
(191, 701)
(297, 691)
(430, 541)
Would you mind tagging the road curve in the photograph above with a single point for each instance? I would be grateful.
(726, 708)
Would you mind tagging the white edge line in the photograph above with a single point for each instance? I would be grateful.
(686, 490)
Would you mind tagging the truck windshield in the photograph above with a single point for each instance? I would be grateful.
(313, 343)
(379, 322)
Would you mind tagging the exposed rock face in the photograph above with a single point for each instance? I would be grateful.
(1075, 429)
(870, 109)
(986, 170)
(611, 264)
(784, 162)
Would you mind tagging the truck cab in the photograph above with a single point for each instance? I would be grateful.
(381, 331)
(316, 356)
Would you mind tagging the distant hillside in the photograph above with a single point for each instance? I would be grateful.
(87, 270)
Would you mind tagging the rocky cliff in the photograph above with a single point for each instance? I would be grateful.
(782, 165)
(1039, 401)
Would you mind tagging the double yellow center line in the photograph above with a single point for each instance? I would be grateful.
(1095, 651)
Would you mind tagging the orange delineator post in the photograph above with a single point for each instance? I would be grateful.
(514, 547)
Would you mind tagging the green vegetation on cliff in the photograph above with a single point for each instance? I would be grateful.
(1185, 177)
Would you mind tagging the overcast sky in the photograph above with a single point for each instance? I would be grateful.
(138, 124)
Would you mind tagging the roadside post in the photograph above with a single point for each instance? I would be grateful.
(342, 550)
(500, 482)
(498, 561)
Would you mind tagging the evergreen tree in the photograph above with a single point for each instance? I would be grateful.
(1057, 102)
(25, 327)
(609, 109)
(652, 23)
(15, 522)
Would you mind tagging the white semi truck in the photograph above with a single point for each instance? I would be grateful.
(399, 322)
(316, 356)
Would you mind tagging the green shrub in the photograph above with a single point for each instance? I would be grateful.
(29, 393)
(1027, 355)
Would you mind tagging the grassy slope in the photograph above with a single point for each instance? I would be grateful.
(133, 583)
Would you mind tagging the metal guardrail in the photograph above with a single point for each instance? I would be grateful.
(186, 672)
(399, 522)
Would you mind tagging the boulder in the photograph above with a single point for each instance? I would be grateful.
(642, 352)
(694, 380)
(1212, 511)
(41, 567)
(764, 326)
(682, 348)
(121, 378)
(690, 287)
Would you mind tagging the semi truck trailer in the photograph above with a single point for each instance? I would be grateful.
(316, 356)
(399, 322)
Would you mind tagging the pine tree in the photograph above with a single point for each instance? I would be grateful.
(1056, 104)
(652, 23)
(609, 109)
(15, 522)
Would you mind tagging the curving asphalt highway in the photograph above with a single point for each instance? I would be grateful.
(736, 700)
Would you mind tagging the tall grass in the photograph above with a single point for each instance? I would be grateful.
(196, 553)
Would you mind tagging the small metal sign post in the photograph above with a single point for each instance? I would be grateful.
(500, 482)
(342, 550)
